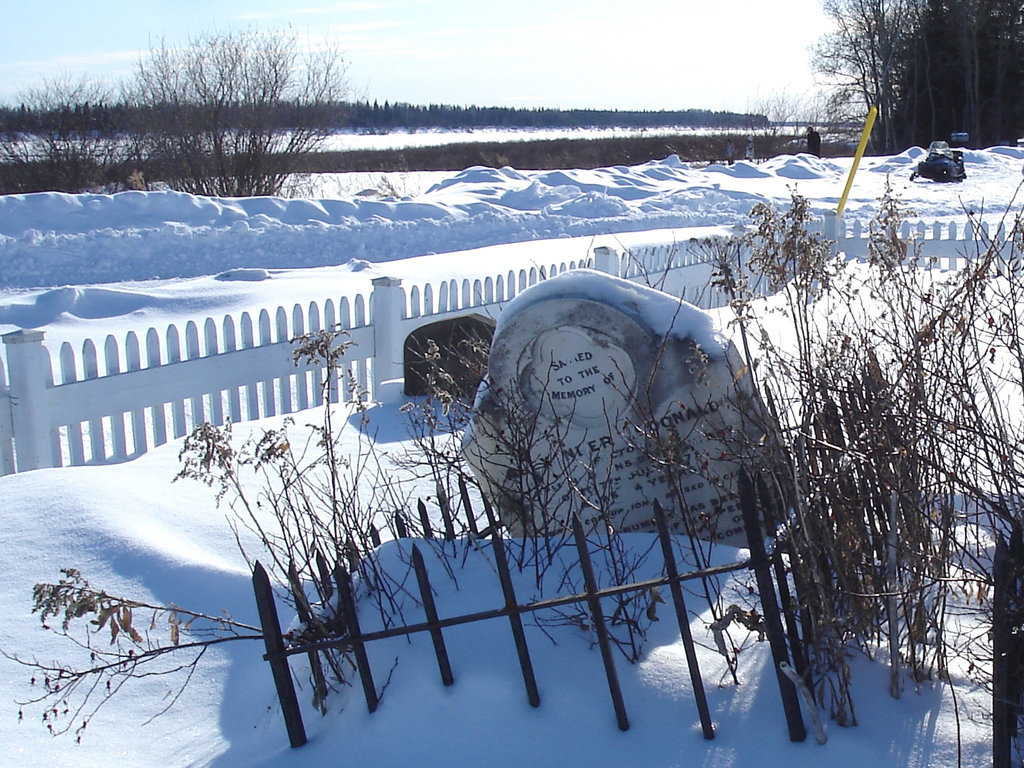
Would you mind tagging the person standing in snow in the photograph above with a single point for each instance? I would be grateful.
(813, 142)
(750, 149)
(730, 152)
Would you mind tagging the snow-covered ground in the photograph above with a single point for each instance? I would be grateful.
(352, 140)
(78, 265)
(55, 239)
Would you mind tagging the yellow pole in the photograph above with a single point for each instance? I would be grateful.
(856, 159)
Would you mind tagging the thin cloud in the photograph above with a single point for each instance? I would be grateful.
(82, 62)
(332, 8)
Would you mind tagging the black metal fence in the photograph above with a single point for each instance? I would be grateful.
(780, 622)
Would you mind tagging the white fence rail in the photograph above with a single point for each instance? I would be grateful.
(114, 400)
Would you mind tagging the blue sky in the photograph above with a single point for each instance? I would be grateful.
(644, 54)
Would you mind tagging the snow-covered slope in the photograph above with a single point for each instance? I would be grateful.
(55, 239)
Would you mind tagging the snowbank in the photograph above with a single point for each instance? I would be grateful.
(52, 239)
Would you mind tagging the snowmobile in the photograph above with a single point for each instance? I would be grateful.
(942, 164)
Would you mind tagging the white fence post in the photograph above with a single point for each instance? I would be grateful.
(386, 317)
(606, 260)
(29, 365)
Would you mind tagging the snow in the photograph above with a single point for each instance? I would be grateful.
(52, 239)
(348, 140)
(85, 265)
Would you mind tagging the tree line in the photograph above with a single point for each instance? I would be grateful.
(366, 116)
(122, 117)
(932, 67)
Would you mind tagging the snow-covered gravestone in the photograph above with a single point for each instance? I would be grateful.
(602, 396)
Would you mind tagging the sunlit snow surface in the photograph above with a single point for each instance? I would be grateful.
(81, 265)
(54, 239)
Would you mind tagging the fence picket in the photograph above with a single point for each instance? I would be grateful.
(350, 616)
(514, 619)
(683, 618)
(401, 531)
(7, 463)
(1007, 645)
(252, 401)
(305, 613)
(197, 415)
(234, 395)
(301, 375)
(786, 599)
(316, 372)
(267, 385)
(421, 507)
(446, 514)
(216, 416)
(158, 413)
(430, 611)
(331, 325)
(133, 362)
(111, 356)
(178, 404)
(598, 622)
(770, 609)
(360, 367)
(274, 644)
(414, 302)
(281, 335)
(344, 313)
(467, 507)
(68, 374)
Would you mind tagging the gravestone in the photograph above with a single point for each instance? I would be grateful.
(601, 396)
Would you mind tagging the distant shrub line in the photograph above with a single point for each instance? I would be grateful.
(545, 154)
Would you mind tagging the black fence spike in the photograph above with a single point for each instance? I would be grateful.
(684, 621)
(274, 644)
(600, 627)
(770, 608)
(421, 507)
(350, 617)
(430, 610)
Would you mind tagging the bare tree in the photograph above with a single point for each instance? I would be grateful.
(71, 153)
(788, 113)
(229, 113)
(861, 56)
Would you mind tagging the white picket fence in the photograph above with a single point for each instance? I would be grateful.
(114, 400)
(946, 244)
